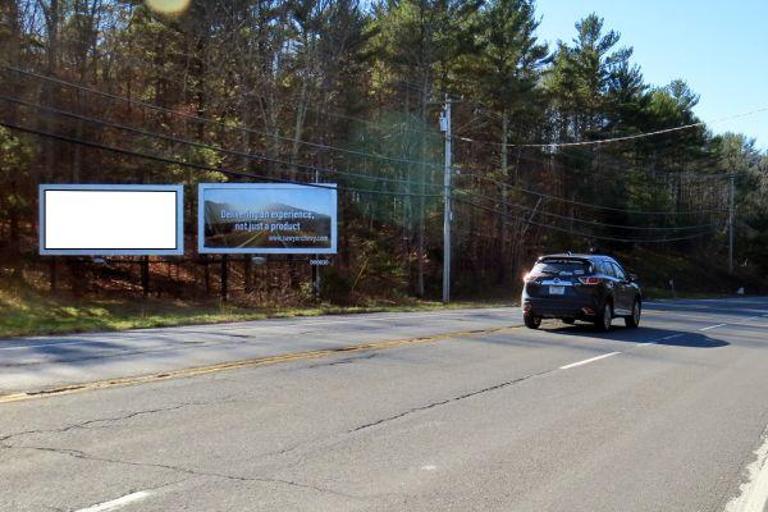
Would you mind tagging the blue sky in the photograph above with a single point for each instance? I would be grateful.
(720, 48)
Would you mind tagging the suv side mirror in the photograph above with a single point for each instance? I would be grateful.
(632, 277)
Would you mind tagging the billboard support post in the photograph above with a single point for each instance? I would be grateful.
(145, 276)
(52, 267)
(248, 274)
(206, 274)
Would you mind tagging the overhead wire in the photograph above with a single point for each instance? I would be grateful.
(584, 204)
(282, 180)
(242, 154)
(612, 140)
(587, 235)
(172, 112)
(251, 175)
(261, 157)
(593, 223)
(203, 167)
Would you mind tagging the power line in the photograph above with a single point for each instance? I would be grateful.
(202, 167)
(613, 139)
(590, 158)
(230, 172)
(220, 123)
(586, 235)
(594, 223)
(251, 156)
(587, 205)
(246, 155)
(260, 157)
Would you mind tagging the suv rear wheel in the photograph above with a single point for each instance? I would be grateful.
(633, 320)
(532, 321)
(603, 321)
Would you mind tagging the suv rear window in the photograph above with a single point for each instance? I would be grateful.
(562, 267)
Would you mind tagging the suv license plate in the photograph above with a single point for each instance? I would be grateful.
(557, 290)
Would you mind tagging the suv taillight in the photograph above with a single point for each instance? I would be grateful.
(589, 281)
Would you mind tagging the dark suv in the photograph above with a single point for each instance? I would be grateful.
(586, 287)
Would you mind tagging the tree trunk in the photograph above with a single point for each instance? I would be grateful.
(52, 27)
(422, 191)
(503, 259)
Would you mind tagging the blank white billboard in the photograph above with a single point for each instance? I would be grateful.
(111, 220)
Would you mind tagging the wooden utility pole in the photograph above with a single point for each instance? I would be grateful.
(731, 213)
(316, 268)
(445, 126)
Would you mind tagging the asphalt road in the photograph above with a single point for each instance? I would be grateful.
(45, 362)
(668, 417)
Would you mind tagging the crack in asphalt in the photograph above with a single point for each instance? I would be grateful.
(447, 401)
(348, 360)
(114, 419)
(80, 454)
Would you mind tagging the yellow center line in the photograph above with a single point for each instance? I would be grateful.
(245, 363)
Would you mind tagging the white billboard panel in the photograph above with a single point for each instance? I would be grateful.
(267, 218)
(108, 220)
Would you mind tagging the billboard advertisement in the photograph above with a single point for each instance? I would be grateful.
(267, 218)
(110, 220)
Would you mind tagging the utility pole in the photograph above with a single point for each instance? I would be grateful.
(445, 126)
(731, 213)
(316, 268)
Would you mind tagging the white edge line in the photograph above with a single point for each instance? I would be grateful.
(587, 361)
(712, 327)
(116, 503)
(754, 492)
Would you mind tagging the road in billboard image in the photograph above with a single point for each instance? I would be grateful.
(267, 218)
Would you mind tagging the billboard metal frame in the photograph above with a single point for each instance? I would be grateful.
(202, 249)
(178, 250)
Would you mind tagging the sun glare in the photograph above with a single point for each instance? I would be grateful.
(168, 6)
